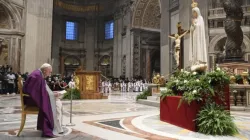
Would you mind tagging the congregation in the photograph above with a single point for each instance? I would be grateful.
(8, 80)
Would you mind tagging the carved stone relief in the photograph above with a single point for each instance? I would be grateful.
(146, 14)
(124, 65)
(4, 18)
(3, 51)
(122, 10)
(173, 4)
(136, 55)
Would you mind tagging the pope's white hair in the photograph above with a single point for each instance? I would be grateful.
(45, 65)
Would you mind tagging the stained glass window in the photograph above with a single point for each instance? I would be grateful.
(71, 30)
(109, 30)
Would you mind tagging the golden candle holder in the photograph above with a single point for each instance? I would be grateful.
(245, 78)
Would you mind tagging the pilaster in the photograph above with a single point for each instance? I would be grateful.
(165, 22)
(185, 19)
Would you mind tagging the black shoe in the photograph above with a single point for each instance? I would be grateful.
(49, 136)
(60, 132)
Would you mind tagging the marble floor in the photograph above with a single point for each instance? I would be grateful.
(118, 117)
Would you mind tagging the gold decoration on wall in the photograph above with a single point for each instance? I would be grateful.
(77, 81)
(78, 8)
(89, 82)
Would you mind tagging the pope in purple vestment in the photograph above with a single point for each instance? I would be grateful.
(35, 87)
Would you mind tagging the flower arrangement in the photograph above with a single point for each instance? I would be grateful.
(203, 87)
(195, 86)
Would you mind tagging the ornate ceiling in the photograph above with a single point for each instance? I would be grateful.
(87, 2)
(146, 15)
(85, 5)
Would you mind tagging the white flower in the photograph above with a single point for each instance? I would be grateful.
(182, 70)
(197, 80)
(218, 69)
(194, 73)
(186, 72)
(177, 81)
(185, 81)
(195, 91)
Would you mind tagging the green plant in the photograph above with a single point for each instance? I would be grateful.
(166, 93)
(217, 77)
(75, 94)
(196, 86)
(214, 120)
(239, 79)
(143, 95)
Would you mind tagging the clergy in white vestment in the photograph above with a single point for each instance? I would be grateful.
(124, 87)
(103, 87)
(109, 87)
(106, 87)
(141, 86)
(129, 87)
(72, 84)
(136, 86)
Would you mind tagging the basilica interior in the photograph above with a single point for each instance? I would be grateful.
(127, 39)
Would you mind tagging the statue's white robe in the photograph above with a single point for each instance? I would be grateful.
(198, 47)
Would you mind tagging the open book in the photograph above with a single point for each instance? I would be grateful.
(62, 92)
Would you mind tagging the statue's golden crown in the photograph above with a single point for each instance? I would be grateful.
(194, 4)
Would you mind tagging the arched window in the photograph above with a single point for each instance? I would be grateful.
(109, 30)
(71, 30)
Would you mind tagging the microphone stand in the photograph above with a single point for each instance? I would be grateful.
(70, 123)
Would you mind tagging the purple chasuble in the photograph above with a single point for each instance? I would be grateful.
(35, 87)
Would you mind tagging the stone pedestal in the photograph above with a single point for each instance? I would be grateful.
(153, 88)
(240, 102)
(237, 67)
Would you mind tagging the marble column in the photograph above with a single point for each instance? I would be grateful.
(129, 46)
(38, 35)
(117, 58)
(131, 73)
(165, 22)
(148, 64)
(137, 55)
(185, 19)
(90, 44)
(115, 48)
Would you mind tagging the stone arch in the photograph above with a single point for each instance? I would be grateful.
(105, 60)
(217, 38)
(160, 5)
(14, 15)
(72, 60)
(145, 15)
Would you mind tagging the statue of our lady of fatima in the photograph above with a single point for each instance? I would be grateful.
(198, 47)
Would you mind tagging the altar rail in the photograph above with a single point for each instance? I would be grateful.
(216, 17)
(220, 13)
(240, 96)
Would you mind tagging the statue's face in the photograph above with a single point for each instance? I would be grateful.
(176, 36)
(195, 15)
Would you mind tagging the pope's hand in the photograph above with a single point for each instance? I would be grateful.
(56, 94)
